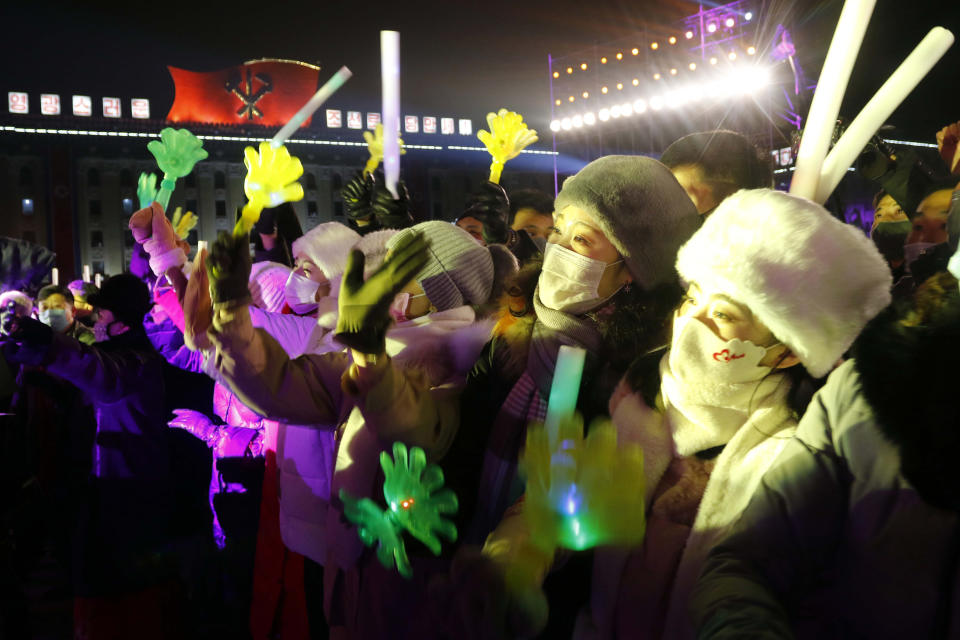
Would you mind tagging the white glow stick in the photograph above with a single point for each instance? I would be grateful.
(894, 91)
(201, 245)
(564, 390)
(312, 105)
(98, 280)
(55, 276)
(390, 88)
(829, 94)
(86, 273)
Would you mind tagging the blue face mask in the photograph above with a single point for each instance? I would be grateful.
(56, 319)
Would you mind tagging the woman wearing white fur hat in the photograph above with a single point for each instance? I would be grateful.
(777, 290)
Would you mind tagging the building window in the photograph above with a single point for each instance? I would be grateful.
(94, 210)
(221, 208)
(30, 236)
(219, 180)
(338, 209)
(337, 182)
(98, 266)
(96, 239)
(26, 176)
(193, 237)
(26, 206)
(128, 239)
(312, 209)
(311, 181)
(93, 178)
(190, 181)
(127, 205)
(126, 178)
(191, 205)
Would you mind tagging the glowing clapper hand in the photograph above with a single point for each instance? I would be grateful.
(177, 151)
(416, 503)
(375, 147)
(508, 136)
(146, 189)
(271, 180)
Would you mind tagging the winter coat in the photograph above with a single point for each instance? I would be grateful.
(836, 543)
(368, 416)
(130, 492)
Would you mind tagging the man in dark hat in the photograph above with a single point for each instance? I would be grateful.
(124, 575)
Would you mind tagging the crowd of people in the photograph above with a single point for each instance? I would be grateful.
(192, 441)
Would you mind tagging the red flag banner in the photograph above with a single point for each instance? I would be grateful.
(263, 92)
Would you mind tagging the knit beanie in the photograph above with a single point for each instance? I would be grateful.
(640, 207)
(327, 245)
(813, 281)
(267, 283)
(374, 249)
(459, 271)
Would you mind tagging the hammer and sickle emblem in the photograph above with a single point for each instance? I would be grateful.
(243, 89)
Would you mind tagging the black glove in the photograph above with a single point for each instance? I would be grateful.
(491, 206)
(356, 196)
(391, 213)
(28, 343)
(8, 318)
(228, 266)
(266, 224)
(365, 305)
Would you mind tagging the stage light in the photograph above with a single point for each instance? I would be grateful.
(654, 45)
(556, 74)
(656, 76)
(619, 86)
(711, 27)
(619, 56)
(569, 69)
(636, 82)
(585, 94)
(732, 55)
(748, 16)
(626, 110)
(689, 35)
(572, 98)
(583, 66)
(692, 66)
(656, 103)
(673, 71)
(604, 115)
(559, 102)
(635, 51)
(603, 90)
(555, 125)
(713, 61)
(603, 60)
(730, 22)
(566, 124)
(639, 106)
(751, 51)
(577, 121)
(589, 119)
(615, 111)
(672, 40)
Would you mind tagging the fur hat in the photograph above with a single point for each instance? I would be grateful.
(267, 283)
(374, 249)
(459, 271)
(812, 280)
(640, 207)
(327, 245)
(23, 302)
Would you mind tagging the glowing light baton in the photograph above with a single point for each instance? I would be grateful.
(390, 87)
(829, 94)
(86, 273)
(564, 390)
(55, 276)
(323, 93)
(894, 91)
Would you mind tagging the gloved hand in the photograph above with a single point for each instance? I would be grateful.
(229, 268)
(28, 342)
(197, 307)
(391, 213)
(267, 224)
(196, 423)
(491, 206)
(365, 305)
(357, 195)
(141, 222)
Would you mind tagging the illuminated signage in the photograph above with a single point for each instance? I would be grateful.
(140, 108)
(466, 127)
(82, 106)
(373, 119)
(411, 124)
(429, 124)
(334, 119)
(111, 107)
(354, 120)
(49, 104)
(17, 102)
(446, 126)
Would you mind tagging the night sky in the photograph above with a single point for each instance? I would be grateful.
(458, 58)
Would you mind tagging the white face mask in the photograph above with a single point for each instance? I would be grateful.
(300, 293)
(57, 319)
(400, 304)
(570, 282)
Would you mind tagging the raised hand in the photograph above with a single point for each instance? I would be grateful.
(414, 494)
(948, 143)
(508, 136)
(196, 423)
(357, 196)
(229, 268)
(375, 147)
(364, 306)
(375, 526)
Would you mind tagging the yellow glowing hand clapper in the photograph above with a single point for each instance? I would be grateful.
(271, 180)
(508, 136)
(375, 147)
(587, 492)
